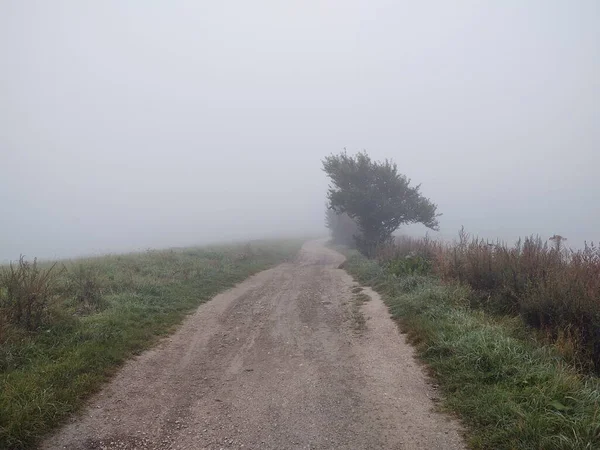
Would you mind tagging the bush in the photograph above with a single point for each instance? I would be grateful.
(551, 288)
(26, 291)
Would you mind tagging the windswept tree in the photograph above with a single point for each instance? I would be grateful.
(376, 196)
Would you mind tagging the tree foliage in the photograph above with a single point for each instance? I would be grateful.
(376, 196)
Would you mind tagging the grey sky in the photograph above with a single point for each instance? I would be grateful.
(130, 124)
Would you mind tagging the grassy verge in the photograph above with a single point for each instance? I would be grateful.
(101, 312)
(553, 289)
(510, 391)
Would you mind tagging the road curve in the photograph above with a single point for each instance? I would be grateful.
(275, 363)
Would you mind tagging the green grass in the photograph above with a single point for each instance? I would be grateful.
(47, 374)
(510, 391)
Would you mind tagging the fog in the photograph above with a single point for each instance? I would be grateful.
(133, 124)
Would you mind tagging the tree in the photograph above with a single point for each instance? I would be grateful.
(376, 197)
(342, 227)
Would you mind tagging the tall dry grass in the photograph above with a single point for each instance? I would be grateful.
(26, 292)
(554, 289)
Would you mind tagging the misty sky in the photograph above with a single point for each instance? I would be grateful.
(135, 124)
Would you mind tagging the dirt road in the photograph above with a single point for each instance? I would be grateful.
(278, 362)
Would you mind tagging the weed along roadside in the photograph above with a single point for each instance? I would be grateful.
(510, 390)
(65, 328)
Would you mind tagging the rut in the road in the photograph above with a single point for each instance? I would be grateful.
(274, 363)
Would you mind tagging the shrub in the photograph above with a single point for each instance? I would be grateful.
(26, 291)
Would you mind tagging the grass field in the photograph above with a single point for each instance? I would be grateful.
(510, 391)
(64, 329)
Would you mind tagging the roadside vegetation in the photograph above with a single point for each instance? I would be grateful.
(511, 333)
(554, 291)
(65, 327)
(510, 390)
